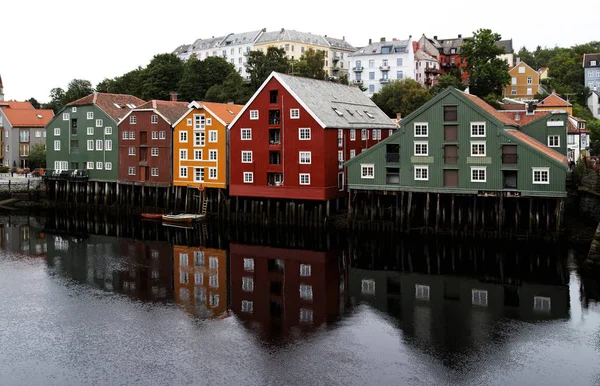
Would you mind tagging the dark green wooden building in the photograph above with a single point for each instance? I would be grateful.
(83, 137)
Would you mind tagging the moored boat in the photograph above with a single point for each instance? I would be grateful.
(154, 216)
(182, 218)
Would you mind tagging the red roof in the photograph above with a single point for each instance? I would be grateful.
(524, 119)
(115, 105)
(554, 100)
(481, 103)
(16, 105)
(225, 111)
(28, 118)
(169, 109)
(572, 129)
(538, 146)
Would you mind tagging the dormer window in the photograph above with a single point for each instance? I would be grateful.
(592, 62)
(338, 112)
(369, 115)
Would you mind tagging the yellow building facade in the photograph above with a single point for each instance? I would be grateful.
(200, 145)
(524, 83)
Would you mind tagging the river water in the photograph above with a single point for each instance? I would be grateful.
(87, 300)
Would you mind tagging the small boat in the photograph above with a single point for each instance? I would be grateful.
(154, 216)
(182, 218)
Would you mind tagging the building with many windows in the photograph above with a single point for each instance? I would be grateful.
(591, 71)
(376, 65)
(524, 84)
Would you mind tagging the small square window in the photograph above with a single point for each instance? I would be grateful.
(304, 134)
(421, 173)
(541, 175)
(90, 131)
(421, 148)
(421, 130)
(304, 179)
(477, 149)
(478, 174)
(154, 119)
(248, 177)
(132, 119)
(294, 113)
(246, 134)
(90, 115)
(99, 123)
(246, 157)
(254, 114)
(367, 171)
(108, 166)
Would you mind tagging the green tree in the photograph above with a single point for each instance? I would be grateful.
(161, 76)
(488, 74)
(311, 64)
(200, 75)
(448, 80)
(78, 88)
(34, 103)
(401, 96)
(37, 156)
(57, 96)
(232, 89)
(260, 65)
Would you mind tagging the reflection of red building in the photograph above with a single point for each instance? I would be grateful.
(286, 287)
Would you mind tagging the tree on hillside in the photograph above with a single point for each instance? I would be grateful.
(34, 103)
(56, 103)
(401, 96)
(78, 88)
(161, 76)
(37, 156)
(200, 75)
(232, 89)
(488, 74)
(310, 64)
(260, 65)
(445, 81)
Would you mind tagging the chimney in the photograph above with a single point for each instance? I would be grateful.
(382, 39)
(398, 116)
(343, 38)
(393, 39)
(459, 36)
(434, 37)
(325, 35)
(173, 95)
(369, 41)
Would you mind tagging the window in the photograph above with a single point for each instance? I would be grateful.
(364, 134)
(513, 91)
(132, 119)
(247, 284)
(99, 165)
(99, 123)
(209, 120)
(353, 135)
(57, 145)
(108, 130)
(212, 155)
(213, 281)
(541, 303)
(352, 153)
(154, 152)
(66, 116)
(305, 157)
(131, 171)
(183, 172)
(371, 88)
(254, 114)
(108, 145)
(306, 292)
(199, 122)
(477, 129)
(478, 173)
(199, 138)
(377, 134)
(367, 287)
(521, 70)
(529, 80)
(212, 173)
(371, 75)
(183, 154)
(132, 135)
(90, 115)
(421, 130)
(294, 113)
(514, 81)
(155, 135)
(248, 177)
(246, 134)
(108, 166)
(421, 148)
(529, 91)
(131, 151)
(421, 173)
(90, 144)
(246, 157)
(304, 270)
(183, 136)
(154, 172)
(553, 141)
(477, 149)
(125, 135)
(90, 165)
(249, 264)
(197, 155)
(56, 131)
(479, 297)
(304, 179)
(90, 131)
(154, 119)
(212, 136)
(213, 301)
(367, 171)
(450, 114)
(421, 292)
(304, 133)
(399, 62)
(541, 175)
(247, 306)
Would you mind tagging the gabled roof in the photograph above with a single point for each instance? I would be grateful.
(489, 109)
(332, 105)
(204, 44)
(540, 147)
(554, 100)
(171, 111)
(292, 36)
(240, 38)
(521, 117)
(28, 117)
(587, 58)
(523, 64)
(16, 105)
(115, 105)
(182, 49)
(223, 112)
(395, 46)
(340, 44)
(506, 44)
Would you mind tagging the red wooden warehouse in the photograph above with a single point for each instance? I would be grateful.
(145, 142)
(291, 139)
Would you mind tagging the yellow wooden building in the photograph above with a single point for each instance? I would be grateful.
(524, 83)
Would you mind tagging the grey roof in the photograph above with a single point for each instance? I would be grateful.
(291, 35)
(181, 49)
(203, 44)
(589, 57)
(322, 97)
(240, 38)
(448, 44)
(375, 48)
(341, 44)
(507, 44)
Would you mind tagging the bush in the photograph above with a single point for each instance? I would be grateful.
(4, 169)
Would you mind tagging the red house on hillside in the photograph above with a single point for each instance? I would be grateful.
(291, 139)
(145, 142)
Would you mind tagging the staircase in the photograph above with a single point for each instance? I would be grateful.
(204, 207)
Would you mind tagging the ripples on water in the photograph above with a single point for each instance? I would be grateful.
(90, 301)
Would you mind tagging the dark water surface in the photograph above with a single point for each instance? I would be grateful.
(89, 300)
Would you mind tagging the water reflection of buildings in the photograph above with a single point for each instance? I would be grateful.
(21, 234)
(283, 288)
(200, 280)
(453, 293)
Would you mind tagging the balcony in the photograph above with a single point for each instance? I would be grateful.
(336, 56)
(431, 70)
(274, 158)
(384, 80)
(428, 81)
(357, 81)
(274, 117)
(275, 179)
(384, 68)
(357, 69)
(274, 137)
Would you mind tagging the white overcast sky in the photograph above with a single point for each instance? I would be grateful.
(45, 44)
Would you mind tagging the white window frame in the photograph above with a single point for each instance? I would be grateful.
(551, 143)
(199, 174)
(479, 169)
(99, 145)
(249, 264)
(90, 115)
(479, 297)
(155, 135)
(90, 165)
(539, 303)
(154, 152)
(154, 172)
(365, 173)
(108, 166)
(132, 135)
(183, 153)
(306, 292)
(90, 131)
(132, 120)
(304, 133)
(478, 143)
(253, 115)
(476, 127)
(212, 133)
(352, 153)
(353, 134)
(246, 156)
(90, 144)
(212, 173)
(246, 134)
(247, 284)
(367, 287)
(294, 113)
(421, 167)
(542, 171)
(99, 165)
(248, 177)
(131, 151)
(99, 123)
(125, 135)
(154, 119)
(213, 155)
(305, 270)
(162, 135)
(421, 153)
(422, 292)
(304, 178)
(197, 154)
(56, 131)
(419, 128)
(189, 122)
(183, 137)
(247, 306)
(364, 134)
(108, 130)
(66, 116)
(108, 144)
(183, 172)
(305, 157)
(131, 171)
